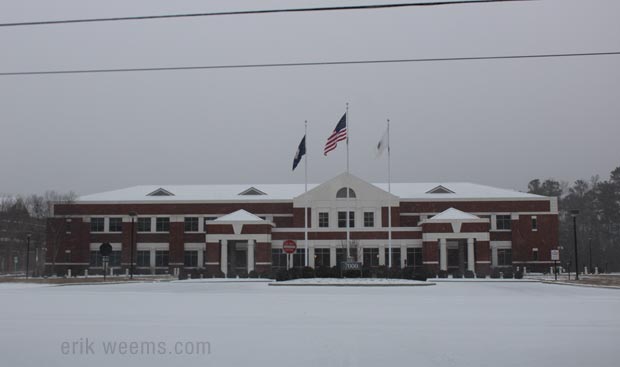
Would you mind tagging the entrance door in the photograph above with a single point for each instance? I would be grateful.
(238, 257)
(457, 256)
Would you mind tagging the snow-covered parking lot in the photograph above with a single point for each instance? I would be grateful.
(237, 324)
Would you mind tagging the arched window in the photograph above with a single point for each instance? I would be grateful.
(342, 193)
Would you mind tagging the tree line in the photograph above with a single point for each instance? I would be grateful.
(598, 221)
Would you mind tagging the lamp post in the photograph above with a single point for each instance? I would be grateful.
(27, 253)
(574, 213)
(590, 250)
(133, 216)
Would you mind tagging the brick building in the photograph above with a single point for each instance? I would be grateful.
(235, 229)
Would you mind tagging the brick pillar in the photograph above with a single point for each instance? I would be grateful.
(483, 257)
(176, 244)
(212, 257)
(430, 255)
(126, 244)
(263, 257)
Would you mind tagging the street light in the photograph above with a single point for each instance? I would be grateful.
(27, 253)
(133, 216)
(574, 213)
(591, 269)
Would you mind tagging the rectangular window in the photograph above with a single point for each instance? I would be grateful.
(68, 226)
(535, 254)
(395, 257)
(143, 259)
(144, 224)
(534, 224)
(191, 224)
(341, 255)
(369, 219)
(503, 222)
(114, 259)
(342, 219)
(504, 257)
(323, 220)
(371, 256)
(278, 259)
(161, 258)
(191, 259)
(414, 257)
(299, 258)
(97, 224)
(321, 257)
(95, 258)
(116, 224)
(162, 224)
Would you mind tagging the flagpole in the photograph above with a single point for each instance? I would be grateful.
(306, 191)
(390, 199)
(348, 182)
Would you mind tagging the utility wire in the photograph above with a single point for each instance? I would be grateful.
(264, 11)
(305, 64)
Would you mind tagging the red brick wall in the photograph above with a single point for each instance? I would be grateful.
(524, 239)
(476, 206)
(172, 208)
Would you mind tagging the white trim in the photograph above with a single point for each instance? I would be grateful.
(432, 237)
(353, 230)
(148, 246)
(239, 237)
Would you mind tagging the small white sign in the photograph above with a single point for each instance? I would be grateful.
(555, 255)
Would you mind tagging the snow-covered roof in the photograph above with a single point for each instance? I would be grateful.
(452, 214)
(287, 192)
(239, 216)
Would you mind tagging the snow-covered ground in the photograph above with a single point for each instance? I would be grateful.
(351, 282)
(252, 323)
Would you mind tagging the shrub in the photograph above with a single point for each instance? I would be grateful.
(323, 272)
(334, 272)
(457, 274)
(495, 273)
(380, 272)
(507, 274)
(408, 273)
(519, 275)
(421, 274)
(442, 274)
(366, 272)
(253, 274)
(307, 272)
(282, 275)
(482, 274)
(395, 273)
(469, 274)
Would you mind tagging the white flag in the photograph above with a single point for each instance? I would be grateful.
(382, 144)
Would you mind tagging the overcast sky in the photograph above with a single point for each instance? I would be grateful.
(500, 123)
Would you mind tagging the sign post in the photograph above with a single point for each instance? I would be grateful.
(555, 256)
(105, 250)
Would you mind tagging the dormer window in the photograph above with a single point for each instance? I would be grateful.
(342, 193)
(160, 192)
(252, 191)
(440, 190)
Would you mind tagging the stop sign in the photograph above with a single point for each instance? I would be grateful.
(289, 246)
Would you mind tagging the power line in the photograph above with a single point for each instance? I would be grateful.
(306, 64)
(264, 11)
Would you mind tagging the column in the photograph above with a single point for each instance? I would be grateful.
(201, 261)
(251, 244)
(470, 255)
(443, 254)
(360, 255)
(382, 251)
(332, 257)
(311, 256)
(152, 260)
(494, 260)
(224, 257)
(403, 256)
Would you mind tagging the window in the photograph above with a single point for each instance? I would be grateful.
(160, 192)
(341, 254)
(144, 224)
(503, 222)
(534, 224)
(116, 224)
(114, 259)
(395, 256)
(299, 258)
(162, 224)
(342, 193)
(278, 258)
(371, 256)
(504, 257)
(191, 224)
(323, 220)
(97, 225)
(321, 257)
(535, 254)
(161, 258)
(191, 259)
(95, 258)
(369, 219)
(68, 226)
(414, 257)
(342, 219)
(143, 259)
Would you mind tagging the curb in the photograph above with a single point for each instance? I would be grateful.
(348, 285)
(581, 285)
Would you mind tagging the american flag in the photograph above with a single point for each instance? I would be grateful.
(339, 134)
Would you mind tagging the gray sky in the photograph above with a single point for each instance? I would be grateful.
(500, 123)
